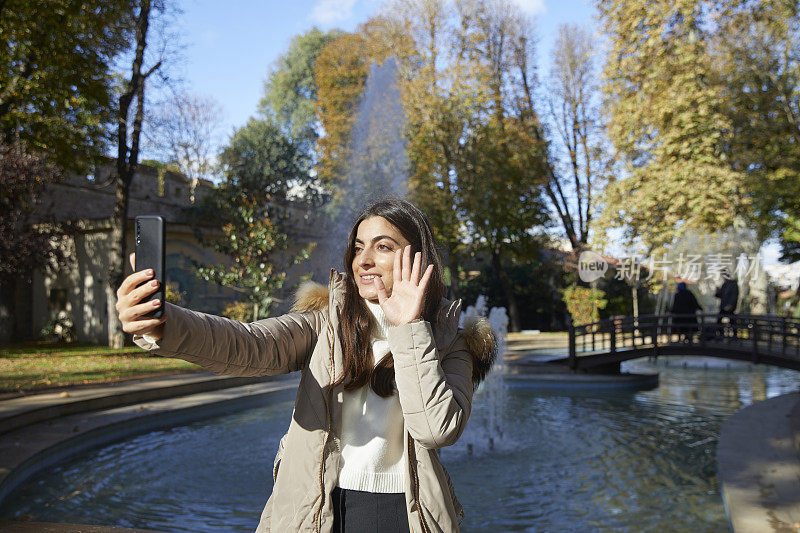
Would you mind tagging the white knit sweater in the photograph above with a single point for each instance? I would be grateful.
(373, 456)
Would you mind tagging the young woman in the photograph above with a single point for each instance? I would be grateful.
(387, 378)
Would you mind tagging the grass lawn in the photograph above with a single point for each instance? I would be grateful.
(43, 365)
(32, 366)
(544, 336)
(543, 340)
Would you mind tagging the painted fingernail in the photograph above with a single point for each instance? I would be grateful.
(154, 283)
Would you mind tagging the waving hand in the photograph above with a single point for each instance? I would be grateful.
(408, 290)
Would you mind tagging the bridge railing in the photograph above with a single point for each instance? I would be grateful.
(765, 334)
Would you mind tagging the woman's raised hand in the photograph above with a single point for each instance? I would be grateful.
(408, 290)
(131, 312)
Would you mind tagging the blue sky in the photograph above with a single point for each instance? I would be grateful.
(230, 46)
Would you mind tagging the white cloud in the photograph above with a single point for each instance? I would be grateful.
(332, 11)
(532, 7)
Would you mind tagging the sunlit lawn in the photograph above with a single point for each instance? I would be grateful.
(545, 337)
(36, 366)
(28, 367)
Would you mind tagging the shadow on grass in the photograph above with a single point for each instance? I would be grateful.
(85, 372)
(47, 348)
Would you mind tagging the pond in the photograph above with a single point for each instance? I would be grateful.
(569, 460)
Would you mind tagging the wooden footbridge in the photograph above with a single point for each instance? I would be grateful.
(602, 346)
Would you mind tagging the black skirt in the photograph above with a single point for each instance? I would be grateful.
(355, 511)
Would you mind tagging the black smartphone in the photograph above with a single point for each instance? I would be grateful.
(150, 240)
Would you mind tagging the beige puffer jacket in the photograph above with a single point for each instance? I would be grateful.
(436, 368)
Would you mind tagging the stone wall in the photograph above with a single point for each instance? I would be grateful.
(78, 290)
(91, 197)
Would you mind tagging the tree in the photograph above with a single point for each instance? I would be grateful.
(409, 31)
(503, 173)
(290, 92)
(757, 52)
(475, 152)
(183, 133)
(579, 131)
(441, 99)
(703, 105)
(267, 163)
(584, 304)
(790, 250)
(23, 248)
(500, 199)
(56, 83)
(667, 120)
(259, 253)
(261, 169)
(538, 282)
(340, 74)
(129, 129)
(464, 70)
(260, 160)
(277, 148)
(363, 149)
(758, 47)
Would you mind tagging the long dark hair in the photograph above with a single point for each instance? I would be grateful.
(356, 323)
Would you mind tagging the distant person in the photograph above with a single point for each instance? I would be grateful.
(728, 294)
(684, 304)
(387, 378)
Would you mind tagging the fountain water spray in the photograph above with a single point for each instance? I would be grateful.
(485, 429)
(377, 162)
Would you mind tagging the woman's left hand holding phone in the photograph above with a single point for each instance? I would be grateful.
(131, 312)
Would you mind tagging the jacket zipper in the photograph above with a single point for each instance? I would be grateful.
(318, 513)
(412, 463)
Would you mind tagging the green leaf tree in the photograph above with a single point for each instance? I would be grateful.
(290, 92)
(275, 152)
(259, 254)
(261, 160)
(758, 56)
(56, 74)
(668, 121)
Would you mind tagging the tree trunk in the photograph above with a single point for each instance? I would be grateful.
(116, 271)
(8, 311)
(508, 290)
(127, 161)
(455, 291)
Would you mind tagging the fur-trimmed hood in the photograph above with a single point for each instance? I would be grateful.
(477, 332)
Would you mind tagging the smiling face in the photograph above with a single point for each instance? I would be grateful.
(375, 245)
